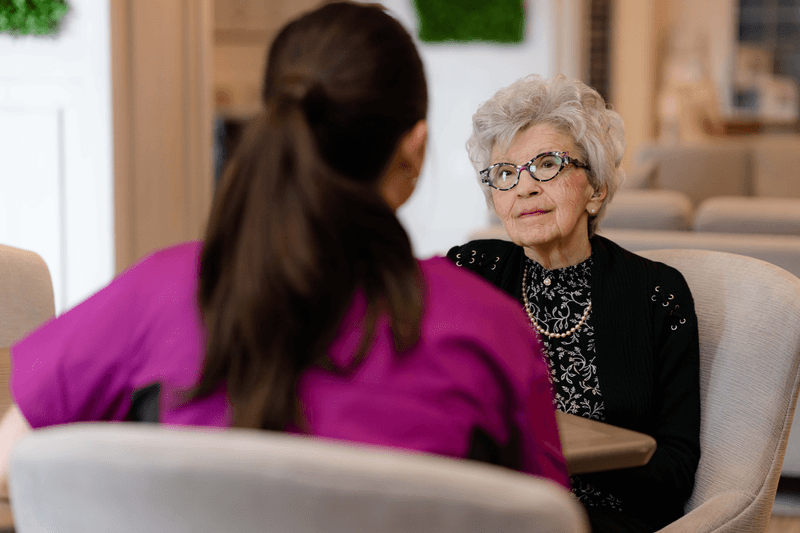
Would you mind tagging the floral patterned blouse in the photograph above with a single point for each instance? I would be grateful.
(558, 299)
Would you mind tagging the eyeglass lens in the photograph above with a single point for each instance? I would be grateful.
(543, 168)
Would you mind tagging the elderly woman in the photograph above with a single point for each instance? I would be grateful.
(619, 330)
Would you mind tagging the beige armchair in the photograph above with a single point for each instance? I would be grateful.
(26, 293)
(26, 301)
(749, 322)
(129, 478)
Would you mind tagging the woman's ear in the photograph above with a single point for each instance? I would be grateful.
(412, 147)
(401, 176)
(596, 200)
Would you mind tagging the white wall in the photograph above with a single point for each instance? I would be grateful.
(448, 203)
(56, 190)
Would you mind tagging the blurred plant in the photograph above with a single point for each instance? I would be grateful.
(498, 21)
(31, 17)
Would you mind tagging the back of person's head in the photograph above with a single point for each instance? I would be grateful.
(299, 223)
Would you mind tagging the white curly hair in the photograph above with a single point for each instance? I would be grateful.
(571, 107)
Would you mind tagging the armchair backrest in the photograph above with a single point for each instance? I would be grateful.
(26, 301)
(749, 325)
(142, 478)
(26, 293)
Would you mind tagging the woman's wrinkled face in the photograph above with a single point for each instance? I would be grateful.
(545, 215)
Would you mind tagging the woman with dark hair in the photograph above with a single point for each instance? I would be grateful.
(304, 309)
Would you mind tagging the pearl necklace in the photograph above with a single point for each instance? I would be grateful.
(535, 322)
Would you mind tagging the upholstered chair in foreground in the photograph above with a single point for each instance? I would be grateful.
(126, 478)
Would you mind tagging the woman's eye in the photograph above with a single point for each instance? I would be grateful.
(548, 162)
(504, 174)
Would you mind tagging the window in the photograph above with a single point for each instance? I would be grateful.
(773, 25)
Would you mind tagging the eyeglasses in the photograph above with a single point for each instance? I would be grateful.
(544, 167)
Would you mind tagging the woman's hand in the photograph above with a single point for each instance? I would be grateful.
(12, 428)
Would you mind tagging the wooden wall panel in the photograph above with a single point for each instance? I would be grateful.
(632, 76)
(244, 30)
(238, 75)
(161, 53)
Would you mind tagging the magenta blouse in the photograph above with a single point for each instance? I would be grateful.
(474, 386)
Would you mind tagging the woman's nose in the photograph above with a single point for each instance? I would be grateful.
(528, 186)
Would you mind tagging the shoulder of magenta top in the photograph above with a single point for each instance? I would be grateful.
(143, 327)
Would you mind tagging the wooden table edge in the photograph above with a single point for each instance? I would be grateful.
(634, 449)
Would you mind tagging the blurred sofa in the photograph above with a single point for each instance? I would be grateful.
(763, 165)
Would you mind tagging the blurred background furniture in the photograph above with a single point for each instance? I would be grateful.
(26, 301)
(142, 478)
(763, 165)
(748, 311)
(650, 209)
(699, 170)
(776, 165)
(26, 293)
(754, 215)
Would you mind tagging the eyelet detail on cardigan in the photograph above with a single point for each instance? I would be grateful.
(481, 260)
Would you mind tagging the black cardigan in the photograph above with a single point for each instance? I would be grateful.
(647, 365)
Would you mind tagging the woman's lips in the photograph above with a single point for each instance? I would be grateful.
(533, 213)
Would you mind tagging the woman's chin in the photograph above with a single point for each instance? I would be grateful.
(530, 234)
(533, 241)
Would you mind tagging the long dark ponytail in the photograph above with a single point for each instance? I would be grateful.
(298, 224)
